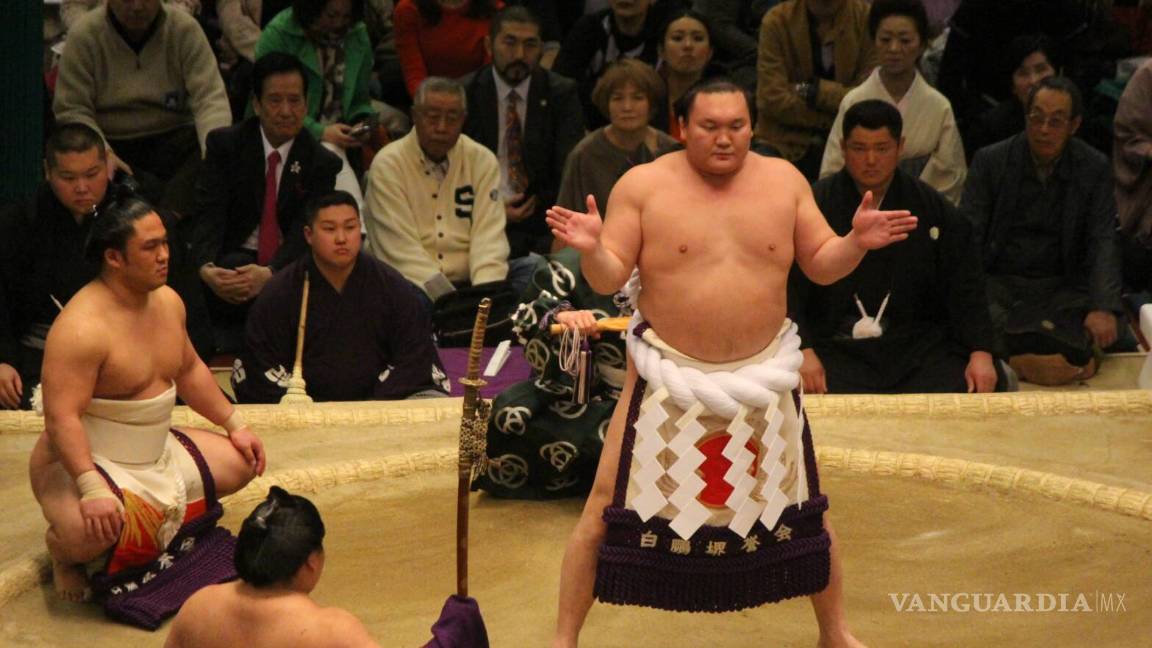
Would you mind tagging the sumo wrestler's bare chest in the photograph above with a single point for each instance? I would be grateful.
(740, 225)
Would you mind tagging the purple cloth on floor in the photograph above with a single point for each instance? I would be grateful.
(515, 370)
(459, 626)
(152, 601)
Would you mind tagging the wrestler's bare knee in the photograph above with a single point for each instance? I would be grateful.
(59, 499)
(71, 545)
(230, 471)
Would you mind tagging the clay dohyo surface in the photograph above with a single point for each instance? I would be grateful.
(962, 498)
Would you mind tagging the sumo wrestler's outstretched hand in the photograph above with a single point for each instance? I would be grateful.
(579, 230)
(875, 229)
(250, 446)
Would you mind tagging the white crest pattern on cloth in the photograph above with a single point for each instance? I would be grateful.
(238, 372)
(513, 419)
(279, 376)
(567, 409)
(563, 281)
(610, 355)
(536, 353)
(559, 454)
(602, 431)
(388, 372)
(562, 482)
(509, 471)
(441, 378)
(524, 321)
(552, 387)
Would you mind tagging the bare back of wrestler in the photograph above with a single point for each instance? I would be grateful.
(121, 338)
(713, 232)
(237, 614)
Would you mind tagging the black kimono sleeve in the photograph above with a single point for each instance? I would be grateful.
(413, 363)
(965, 291)
(263, 368)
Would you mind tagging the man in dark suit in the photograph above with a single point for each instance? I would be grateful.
(256, 177)
(1044, 213)
(530, 118)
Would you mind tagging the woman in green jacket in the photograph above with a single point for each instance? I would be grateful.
(330, 39)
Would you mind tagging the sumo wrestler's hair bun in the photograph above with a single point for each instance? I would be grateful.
(277, 538)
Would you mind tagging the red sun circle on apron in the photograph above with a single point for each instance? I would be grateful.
(715, 465)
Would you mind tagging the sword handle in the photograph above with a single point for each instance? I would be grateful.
(477, 345)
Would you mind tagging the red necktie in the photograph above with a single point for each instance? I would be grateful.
(513, 141)
(269, 238)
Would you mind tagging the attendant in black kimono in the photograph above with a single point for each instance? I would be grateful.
(934, 333)
(42, 260)
(367, 336)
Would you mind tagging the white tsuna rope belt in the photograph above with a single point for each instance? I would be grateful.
(723, 392)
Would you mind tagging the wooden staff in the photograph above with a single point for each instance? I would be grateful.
(473, 438)
(605, 325)
(296, 388)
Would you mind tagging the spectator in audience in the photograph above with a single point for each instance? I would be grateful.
(42, 261)
(434, 206)
(329, 37)
(42, 254)
(932, 150)
(254, 181)
(811, 53)
(626, 95)
(387, 75)
(71, 11)
(1045, 218)
(976, 55)
(1032, 57)
(530, 118)
(552, 28)
(939, 13)
(912, 317)
(240, 23)
(442, 37)
(1132, 168)
(542, 443)
(560, 16)
(146, 79)
(628, 29)
(685, 58)
(734, 27)
(279, 558)
(367, 336)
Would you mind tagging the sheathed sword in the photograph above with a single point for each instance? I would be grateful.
(473, 442)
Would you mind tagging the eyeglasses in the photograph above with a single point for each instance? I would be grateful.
(1039, 119)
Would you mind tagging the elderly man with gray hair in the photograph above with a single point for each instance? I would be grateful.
(435, 211)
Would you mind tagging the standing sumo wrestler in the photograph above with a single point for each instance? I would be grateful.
(706, 497)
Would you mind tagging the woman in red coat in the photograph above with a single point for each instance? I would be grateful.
(441, 37)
